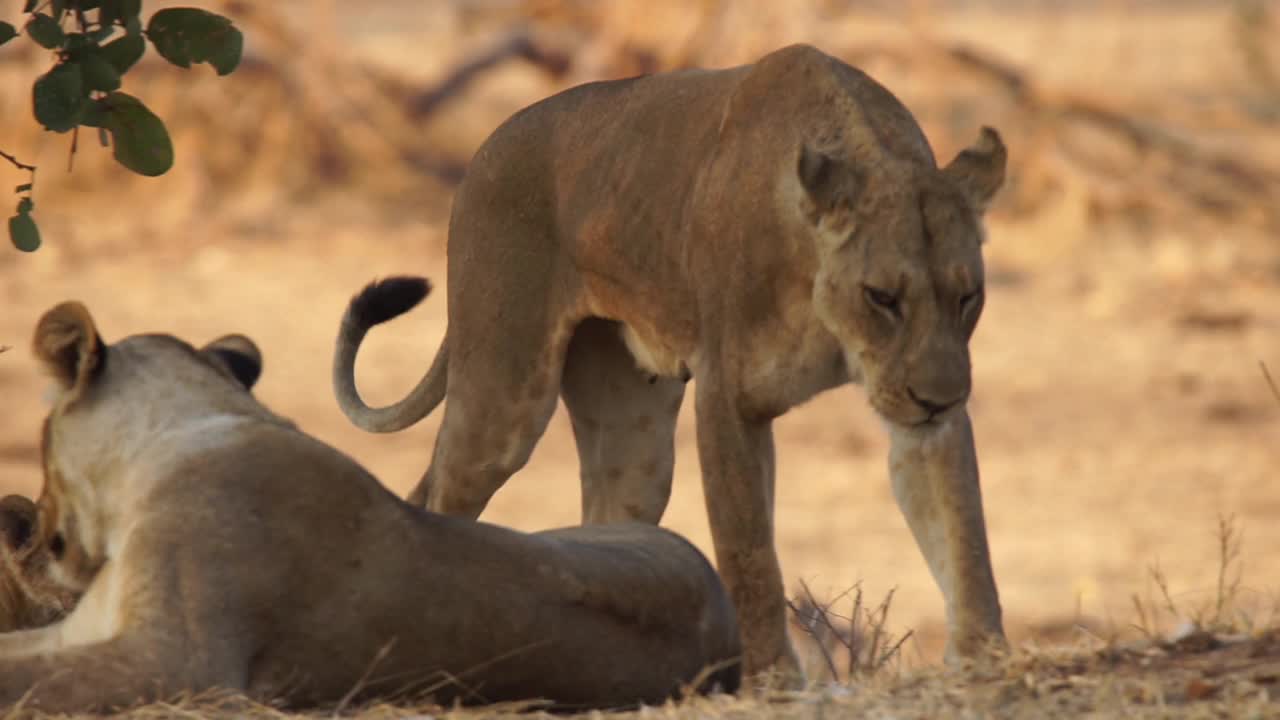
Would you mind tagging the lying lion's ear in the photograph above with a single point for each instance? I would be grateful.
(979, 169)
(68, 345)
(239, 355)
(17, 521)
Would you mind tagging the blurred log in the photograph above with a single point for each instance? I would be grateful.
(1171, 173)
(516, 45)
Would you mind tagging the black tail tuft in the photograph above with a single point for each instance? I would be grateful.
(384, 299)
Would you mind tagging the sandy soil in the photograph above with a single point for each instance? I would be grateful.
(1119, 406)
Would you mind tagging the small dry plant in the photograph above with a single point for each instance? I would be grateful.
(853, 647)
(1222, 615)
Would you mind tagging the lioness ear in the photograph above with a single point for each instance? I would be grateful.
(815, 169)
(17, 521)
(827, 180)
(979, 169)
(68, 345)
(239, 355)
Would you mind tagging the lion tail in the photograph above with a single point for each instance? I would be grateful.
(378, 302)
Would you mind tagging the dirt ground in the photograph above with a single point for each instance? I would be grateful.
(1119, 405)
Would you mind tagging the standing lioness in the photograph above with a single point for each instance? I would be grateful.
(216, 546)
(774, 230)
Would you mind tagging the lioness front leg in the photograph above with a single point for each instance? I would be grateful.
(104, 676)
(16, 643)
(934, 471)
(737, 460)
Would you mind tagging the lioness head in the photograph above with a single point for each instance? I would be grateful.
(147, 394)
(900, 278)
(28, 596)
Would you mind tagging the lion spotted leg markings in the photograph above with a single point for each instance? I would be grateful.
(624, 422)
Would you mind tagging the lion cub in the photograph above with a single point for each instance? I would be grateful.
(28, 597)
(216, 546)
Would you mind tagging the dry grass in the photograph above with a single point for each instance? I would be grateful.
(851, 647)
(1198, 675)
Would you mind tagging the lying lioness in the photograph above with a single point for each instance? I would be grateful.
(28, 597)
(216, 546)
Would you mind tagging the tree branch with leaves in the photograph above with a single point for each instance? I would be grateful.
(95, 43)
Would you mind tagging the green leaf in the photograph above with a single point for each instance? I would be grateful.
(23, 232)
(58, 7)
(22, 188)
(95, 113)
(7, 32)
(226, 57)
(123, 52)
(184, 36)
(59, 97)
(139, 139)
(119, 11)
(87, 4)
(108, 13)
(25, 206)
(45, 31)
(29, 5)
(78, 42)
(99, 73)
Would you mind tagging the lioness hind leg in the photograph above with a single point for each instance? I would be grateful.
(499, 402)
(624, 422)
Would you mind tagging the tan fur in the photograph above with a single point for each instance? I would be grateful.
(29, 598)
(216, 546)
(777, 229)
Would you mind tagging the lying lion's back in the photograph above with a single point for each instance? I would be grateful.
(363, 568)
(654, 579)
(627, 562)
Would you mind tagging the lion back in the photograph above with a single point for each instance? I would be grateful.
(653, 579)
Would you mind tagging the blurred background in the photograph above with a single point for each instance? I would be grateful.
(1133, 262)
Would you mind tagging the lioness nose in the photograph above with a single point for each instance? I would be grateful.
(930, 406)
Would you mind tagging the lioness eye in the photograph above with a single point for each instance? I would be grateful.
(880, 298)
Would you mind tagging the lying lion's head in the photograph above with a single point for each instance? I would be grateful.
(900, 278)
(29, 597)
(112, 405)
